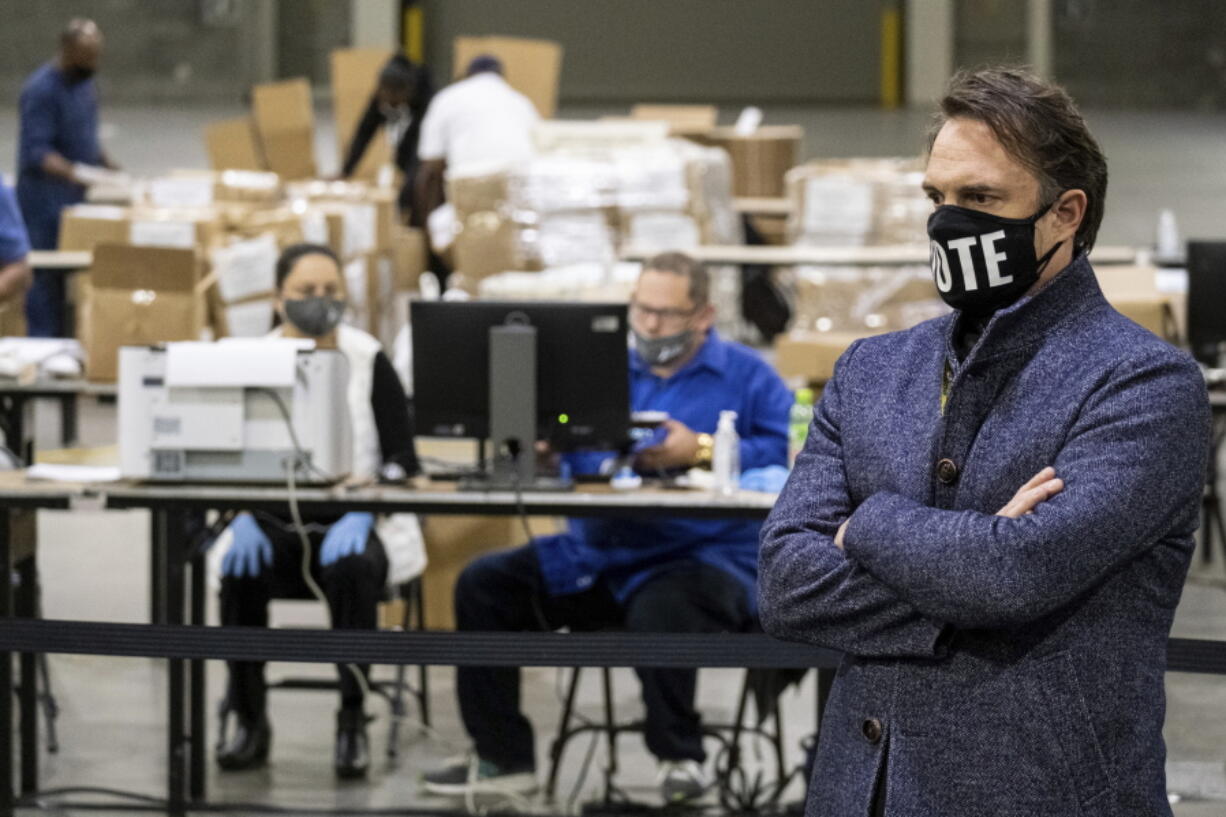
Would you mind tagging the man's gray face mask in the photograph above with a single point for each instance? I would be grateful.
(663, 351)
(316, 316)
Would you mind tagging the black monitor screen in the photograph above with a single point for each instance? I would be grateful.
(582, 370)
(1206, 298)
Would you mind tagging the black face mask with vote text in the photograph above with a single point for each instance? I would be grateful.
(981, 262)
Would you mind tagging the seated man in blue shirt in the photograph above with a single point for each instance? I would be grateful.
(646, 575)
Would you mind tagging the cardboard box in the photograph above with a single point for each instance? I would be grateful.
(84, 226)
(683, 120)
(1134, 292)
(280, 222)
(355, 74)
(370, 290)
(531, 67)
(487, 244)
(409, 257)
(759, 160)
(232, 144)
(179, 227)
(249, 318)
(476, 194)
(809, 357)
(353, 227)
(13, 318)
(139, 296)
(454, 541)
(285, 122)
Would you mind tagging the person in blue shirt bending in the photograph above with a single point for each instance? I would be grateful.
(646, 575)
(58, 137)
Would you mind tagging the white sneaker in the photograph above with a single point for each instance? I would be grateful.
(467, 775)
(682, 780)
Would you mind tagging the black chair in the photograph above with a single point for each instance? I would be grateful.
(764, 686)
(393, 690)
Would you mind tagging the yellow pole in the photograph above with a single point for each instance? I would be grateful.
(891, 57)
(414, 33)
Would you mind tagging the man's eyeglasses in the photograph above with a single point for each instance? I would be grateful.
(641, 312)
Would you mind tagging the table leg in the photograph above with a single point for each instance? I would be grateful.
(28, 573)
(197, 706)
(157, 575)
(6, 669)
(167, 538)
(68, 420)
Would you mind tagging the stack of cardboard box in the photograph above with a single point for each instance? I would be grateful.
(234, 224)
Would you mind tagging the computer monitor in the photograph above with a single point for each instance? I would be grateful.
(1206, 299)
(580, 367)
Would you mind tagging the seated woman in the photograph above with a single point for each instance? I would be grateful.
(354, 555)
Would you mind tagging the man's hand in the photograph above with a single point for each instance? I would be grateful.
(1041, 487)
(679, 449)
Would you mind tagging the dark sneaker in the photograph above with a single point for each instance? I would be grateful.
(470, 775)
(682, 780)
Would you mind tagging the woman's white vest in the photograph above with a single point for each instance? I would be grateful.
(399, 532)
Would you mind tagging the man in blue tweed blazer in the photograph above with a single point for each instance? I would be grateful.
(993, 514)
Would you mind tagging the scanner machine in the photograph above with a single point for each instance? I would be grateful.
(216, 412)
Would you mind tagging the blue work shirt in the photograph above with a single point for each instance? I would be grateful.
(61, 116)
(14, 243)
(624, 552)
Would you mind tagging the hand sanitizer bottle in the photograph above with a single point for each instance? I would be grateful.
(726, 459)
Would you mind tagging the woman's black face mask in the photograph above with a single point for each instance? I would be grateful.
(981, 262)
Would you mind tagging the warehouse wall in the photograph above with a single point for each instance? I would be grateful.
(155, 51)
(684, 50)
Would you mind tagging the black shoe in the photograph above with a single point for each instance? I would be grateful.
(352, 748)
(247, 748)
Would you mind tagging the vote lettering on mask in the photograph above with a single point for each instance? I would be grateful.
(981, 262)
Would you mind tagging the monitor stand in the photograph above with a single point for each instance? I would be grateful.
(512, 391)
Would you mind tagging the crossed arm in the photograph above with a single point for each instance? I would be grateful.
(886, 578)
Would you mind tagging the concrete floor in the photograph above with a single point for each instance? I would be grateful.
(95, 565)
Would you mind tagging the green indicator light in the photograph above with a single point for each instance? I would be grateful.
(563, 418)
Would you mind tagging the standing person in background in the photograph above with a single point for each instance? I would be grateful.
(58, 147)
(14, 268)
(398, 105)
(477, 125)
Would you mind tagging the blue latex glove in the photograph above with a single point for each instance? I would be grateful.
(769, 479)
(251, 551)
(346, 538)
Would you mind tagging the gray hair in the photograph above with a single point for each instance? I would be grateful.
(678, 263)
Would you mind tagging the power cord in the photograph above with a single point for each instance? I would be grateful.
(303, 460)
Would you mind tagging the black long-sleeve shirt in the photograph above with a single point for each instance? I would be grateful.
(373, 119)
(393, 421)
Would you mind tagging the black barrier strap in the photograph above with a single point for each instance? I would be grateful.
(529, 649)
(443, 648)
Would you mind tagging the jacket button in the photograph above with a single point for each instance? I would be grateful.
(872, 730)
(947, 471)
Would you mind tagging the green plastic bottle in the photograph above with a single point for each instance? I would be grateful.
(799, 419)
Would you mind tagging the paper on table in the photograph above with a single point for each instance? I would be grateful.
(52, 472)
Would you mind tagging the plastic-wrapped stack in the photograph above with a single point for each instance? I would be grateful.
(864, 299)
(857, 202)
(582, 202)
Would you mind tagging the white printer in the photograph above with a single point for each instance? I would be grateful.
(222, 412)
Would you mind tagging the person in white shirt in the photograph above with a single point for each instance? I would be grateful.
(476, 125)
